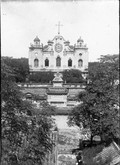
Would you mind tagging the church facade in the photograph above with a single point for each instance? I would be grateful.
(58, 55)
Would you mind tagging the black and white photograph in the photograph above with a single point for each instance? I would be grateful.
(60, 82)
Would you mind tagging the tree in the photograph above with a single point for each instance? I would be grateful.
(19, 66)
(25, 134)
(99, 108)
(72, 76)
(42, 77)
(21, 72)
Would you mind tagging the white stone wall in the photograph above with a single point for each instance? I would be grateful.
(42, 53)
(33, 54)
(83, 57)
(56, 99)
(57, 84)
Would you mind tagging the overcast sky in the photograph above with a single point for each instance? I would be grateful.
(97, 22)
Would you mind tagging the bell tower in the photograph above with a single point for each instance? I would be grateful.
(37, 41)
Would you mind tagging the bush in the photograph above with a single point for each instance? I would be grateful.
(41, 77)
(19, 66)
(73, 76)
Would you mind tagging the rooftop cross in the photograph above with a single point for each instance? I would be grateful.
(59, 27)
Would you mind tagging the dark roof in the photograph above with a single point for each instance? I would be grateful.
(36, 39)
(45, 47)
(80, 40)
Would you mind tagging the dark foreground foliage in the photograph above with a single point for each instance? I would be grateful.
(41, 77)
(19, 66)
(99, 110)
(89, 153)
(25, 131)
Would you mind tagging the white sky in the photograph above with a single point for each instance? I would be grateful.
(97, 22)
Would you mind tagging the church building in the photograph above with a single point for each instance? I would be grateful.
(58, 55)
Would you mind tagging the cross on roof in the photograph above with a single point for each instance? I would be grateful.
(59, 27)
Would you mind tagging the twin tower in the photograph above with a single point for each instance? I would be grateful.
(58, 55)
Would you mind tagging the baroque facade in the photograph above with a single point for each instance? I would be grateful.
(58, 55)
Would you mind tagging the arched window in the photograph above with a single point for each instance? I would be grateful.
(46, 62)
(36, 62)
(69, 62)
(80, 63)
(58, 61)
(80, 54)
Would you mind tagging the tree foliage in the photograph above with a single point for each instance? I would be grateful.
(99, 108)
(41, 77)
(21, 72)
(19, 66)
(72, 76)
(25, 134)
(69, 76)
